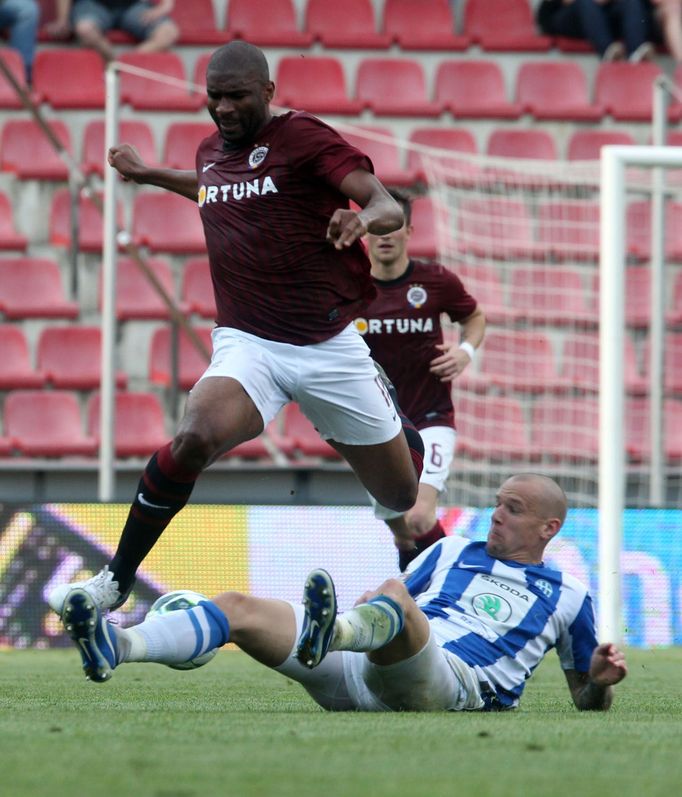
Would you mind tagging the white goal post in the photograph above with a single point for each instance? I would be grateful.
(614, 160)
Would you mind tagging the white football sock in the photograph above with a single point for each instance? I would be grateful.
(368, 626)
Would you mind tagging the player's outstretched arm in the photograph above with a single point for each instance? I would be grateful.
(592, 691)
(128, 163)
(380, 213)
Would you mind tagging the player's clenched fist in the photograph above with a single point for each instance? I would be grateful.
(345, 227)
(127, 161)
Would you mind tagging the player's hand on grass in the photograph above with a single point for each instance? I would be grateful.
(608, 665)
(450, 364)
(127, 162)
(345, 227)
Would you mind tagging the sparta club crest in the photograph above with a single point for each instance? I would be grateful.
(416, 296)
(258, 156)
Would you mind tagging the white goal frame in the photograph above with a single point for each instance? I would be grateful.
(614, 160)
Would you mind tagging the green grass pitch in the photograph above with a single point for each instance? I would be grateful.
(235, 728)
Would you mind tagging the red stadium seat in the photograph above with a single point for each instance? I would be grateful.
(71, 357)
(31, 287)
(167, 223)
(423, 241)
(672, 363)
(257, 448)
(566, 429)
(138, 423)
(447, 140)
(136, 297)
(484, 283)
(69, 78)
(474, 90)
(416, 25)
(16, 371)
(585, 145)
(182, 141)
(196, 21)
(550, 295)
(520, 144)
(191, 363)
(15, 64)
(26, 151)
(496, 228)
(570, 229)
(90, 235)
(580, 363)
(6, 447)
(44, 423)
(384, 152)
(304, 436)
(349, 24)
(137, 133)
(638, 215)
(503, 26)
(147, 94)
(316, 84)
(268, 23)
(516, 360)
(555, 90)
(197, 287)
(674, 315)
(394, 87)
(638, 440)
(491, 427)
(9, 237)
(625, 90)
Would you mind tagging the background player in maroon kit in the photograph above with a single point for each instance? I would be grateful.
(290, 274)
(402, 327)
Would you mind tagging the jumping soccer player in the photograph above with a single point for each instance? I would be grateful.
(290, 275)
(464, 631)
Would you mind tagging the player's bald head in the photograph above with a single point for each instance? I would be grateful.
(549, 500)
(241, 58)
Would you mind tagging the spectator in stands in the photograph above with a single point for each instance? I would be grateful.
(402, 327)
(145, 21)
(463, 631)
(20, 18)
(668, 16)
(604, 23)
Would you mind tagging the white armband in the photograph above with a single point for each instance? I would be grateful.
(469, 349)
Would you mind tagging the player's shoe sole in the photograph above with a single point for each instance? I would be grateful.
(92, 635)
(319, 599)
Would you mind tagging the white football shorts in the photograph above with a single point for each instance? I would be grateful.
(439, 449)
(335, 382)
(432, 680)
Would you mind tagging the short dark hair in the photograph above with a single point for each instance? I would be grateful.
(405, 203)
(241, 56)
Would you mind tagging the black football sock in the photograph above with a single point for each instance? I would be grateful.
(405, 557)
(163, 490)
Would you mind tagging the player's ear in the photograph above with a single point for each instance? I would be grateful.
(268, 91)
(551, 528)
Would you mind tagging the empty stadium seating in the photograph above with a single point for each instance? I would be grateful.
(580, 363)
(349, 24)
(506, 26)
(191, 362)
(10, 238)
(135, 132)
(16, 370)
(385, 154)
(42, 423)
(449, 140)
(624, 90)
(197, 287)
(15, 64)
(497, 228)
(586, 144)
(71, 357)
(516, 143)
(136, 297)
(638, 434)
(316, 84)
(423, 241)
(555, 90)
(90, 235)
(492, 427)
(638, 215)
(31, 287)
(569, 229)
(25, 151)
(302, 433)
(139, 426)
(182, 140)
(567, 430)
(268, 23)
(149, 93)
(394, 87)
(81, 78)
(484, 283)
(550, 295)
(197, 24)
(167, 222)
(474, 89)
(415, 25)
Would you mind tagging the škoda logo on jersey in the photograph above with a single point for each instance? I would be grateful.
(236, 191)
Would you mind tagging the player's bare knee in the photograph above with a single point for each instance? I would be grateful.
(192, 449)
(234, 606)
(396, 591)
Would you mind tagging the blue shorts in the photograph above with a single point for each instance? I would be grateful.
(127, 19)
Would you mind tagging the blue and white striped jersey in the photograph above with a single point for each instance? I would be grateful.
(501, 617)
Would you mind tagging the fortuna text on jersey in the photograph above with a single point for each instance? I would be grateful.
(236, 191)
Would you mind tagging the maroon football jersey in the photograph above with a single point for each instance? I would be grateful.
(265, 208)
(402, 327)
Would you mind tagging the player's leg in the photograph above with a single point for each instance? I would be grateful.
(155, 36)
(91, 20)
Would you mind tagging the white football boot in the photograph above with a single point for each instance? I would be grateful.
(102, 588)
